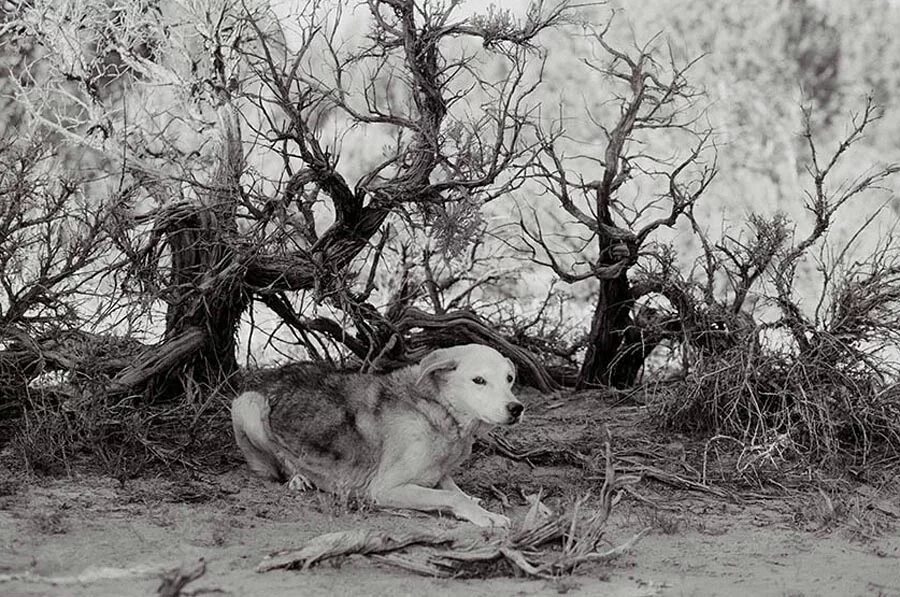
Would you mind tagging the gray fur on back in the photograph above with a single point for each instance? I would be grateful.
(317, 415)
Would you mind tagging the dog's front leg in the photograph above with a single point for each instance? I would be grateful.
(457, 503)
(450, 485)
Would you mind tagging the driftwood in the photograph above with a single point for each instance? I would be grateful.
(89, 575)
(359, 541)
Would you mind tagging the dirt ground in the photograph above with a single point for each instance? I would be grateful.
(95, 536)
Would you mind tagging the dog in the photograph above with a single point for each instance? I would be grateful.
(395, 438)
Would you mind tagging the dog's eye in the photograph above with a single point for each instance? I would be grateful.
(509, 378)
(479, 380)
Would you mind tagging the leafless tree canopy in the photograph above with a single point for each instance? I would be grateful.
(201, 229)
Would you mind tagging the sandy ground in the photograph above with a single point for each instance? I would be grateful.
(90, 536)
(95, 536)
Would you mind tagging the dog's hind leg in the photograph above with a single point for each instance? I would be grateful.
(250, 420)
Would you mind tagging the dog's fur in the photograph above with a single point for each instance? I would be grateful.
(393, 438)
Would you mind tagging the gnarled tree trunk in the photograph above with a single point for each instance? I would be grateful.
(613, 357)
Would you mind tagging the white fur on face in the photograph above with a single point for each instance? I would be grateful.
(480, 382)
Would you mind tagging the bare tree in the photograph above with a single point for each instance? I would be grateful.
(824, 201)
(53, 245)
(717, 307)
(185, 121)
(655, 98)
(829, 382)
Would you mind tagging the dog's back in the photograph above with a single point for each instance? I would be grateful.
(303, 419)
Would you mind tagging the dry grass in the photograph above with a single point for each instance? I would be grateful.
(55, 522)
(777, 407)
(121, 438)
(341, 502)
(859, 515)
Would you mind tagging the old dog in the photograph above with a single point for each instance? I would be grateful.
(395, 438)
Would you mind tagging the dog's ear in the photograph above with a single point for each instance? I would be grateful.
(438, 360)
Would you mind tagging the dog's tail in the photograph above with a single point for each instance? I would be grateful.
(250, 420)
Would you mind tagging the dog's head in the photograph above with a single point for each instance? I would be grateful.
(476, 379)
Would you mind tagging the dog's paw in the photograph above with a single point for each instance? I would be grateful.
(299, 483)
(483, 518)
(499, 520)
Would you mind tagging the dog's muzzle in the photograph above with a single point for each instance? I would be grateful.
(515, 411)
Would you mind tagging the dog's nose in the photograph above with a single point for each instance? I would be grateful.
(515, 409)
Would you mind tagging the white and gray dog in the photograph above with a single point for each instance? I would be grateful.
(394, 438)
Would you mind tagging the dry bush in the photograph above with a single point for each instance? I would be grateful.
(778, 404)
(830, 391)
(56, 436)
(52, 239)
(58, 352)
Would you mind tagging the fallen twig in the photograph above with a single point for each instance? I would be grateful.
(358, 541)
(89, 575)
(555, 455)
(658, 474)
(175, 580)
